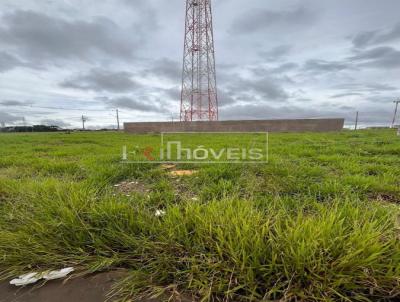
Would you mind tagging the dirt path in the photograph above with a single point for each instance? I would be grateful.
(85, 289)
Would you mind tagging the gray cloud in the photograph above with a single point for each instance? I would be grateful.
(143, 104)
(41, 37)
(146, 12)
(261, 71)
(256, 20)
(366, 91)
(265, 89)
(365, 87)
(277, 52)
(102, 80)
(268, 87)
(225, 99)
(364, 38)
(262, 84)
(173, 93)
(13, 103)
(346, 94)
(379, 57)
(8, 118)
(285, 67)
(8, 62)
(322, 66)
(368, 38)
(165, 68)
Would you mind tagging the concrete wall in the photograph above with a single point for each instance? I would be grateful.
(304, 125)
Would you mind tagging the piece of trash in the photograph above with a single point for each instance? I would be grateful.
(182, 173)
(195, 198)
(160, 213)
(51, 275)
(117, 185)
(26, 279)
(34, 277)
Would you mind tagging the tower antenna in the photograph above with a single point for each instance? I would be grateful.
(199, 100)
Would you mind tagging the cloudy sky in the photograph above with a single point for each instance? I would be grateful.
(61, 59)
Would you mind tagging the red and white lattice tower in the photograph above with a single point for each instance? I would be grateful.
(199, 101)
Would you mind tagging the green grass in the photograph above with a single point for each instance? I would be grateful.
(319, 222)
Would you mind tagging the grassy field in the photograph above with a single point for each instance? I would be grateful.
(319, 222)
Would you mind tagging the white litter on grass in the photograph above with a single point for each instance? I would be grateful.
(51, 275)
(34, 277)
(159, 213)
(26, 279)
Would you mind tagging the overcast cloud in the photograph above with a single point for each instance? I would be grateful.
(60, 60)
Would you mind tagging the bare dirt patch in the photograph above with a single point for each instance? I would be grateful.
(180, 187)
(132, 186)
(386, 197)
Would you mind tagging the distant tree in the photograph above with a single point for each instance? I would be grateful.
(35, 128)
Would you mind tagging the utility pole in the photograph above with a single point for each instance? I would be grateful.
(84, 119)
(395, 112)
(356, 127)
(117, 119)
